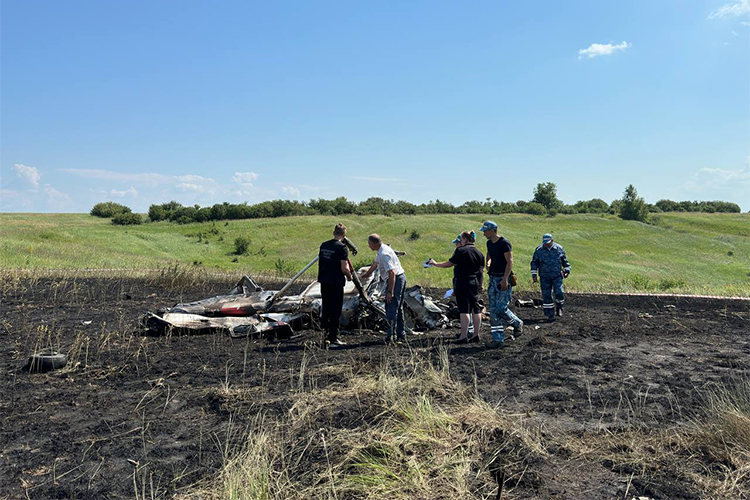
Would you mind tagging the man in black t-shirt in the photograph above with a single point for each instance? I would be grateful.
(468, 272)
(333, 272)
(499, 291)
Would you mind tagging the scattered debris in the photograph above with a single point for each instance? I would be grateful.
(249, 310)
(535, 303)
(45, 361)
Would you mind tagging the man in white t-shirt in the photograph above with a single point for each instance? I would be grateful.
(390, 270)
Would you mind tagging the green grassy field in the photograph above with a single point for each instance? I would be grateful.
(677, 252)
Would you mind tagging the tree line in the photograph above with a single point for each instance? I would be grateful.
(544, 202)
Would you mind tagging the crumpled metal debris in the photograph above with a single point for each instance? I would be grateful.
(249, 310)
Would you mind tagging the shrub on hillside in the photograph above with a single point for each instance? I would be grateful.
(127, 219)
(534, 208)
(108, 209)
(241, 245)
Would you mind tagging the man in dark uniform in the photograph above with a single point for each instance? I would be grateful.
(333, 272)
(551, 265)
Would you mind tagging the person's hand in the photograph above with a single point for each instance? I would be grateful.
(534, 279)
(388, 297)
(503, 285)
(566, 274)
(349, 277)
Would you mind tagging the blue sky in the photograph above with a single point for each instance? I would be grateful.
(144, 102)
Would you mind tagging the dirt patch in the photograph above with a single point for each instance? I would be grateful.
(134, 416)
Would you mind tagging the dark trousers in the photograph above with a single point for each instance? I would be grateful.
(548, 286)
(330, 312)
(394, 312)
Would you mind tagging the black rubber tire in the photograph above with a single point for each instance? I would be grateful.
(45, 361)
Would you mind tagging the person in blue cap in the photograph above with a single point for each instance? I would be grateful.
(549, 266)
(500, 288)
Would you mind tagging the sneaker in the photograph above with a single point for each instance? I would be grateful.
(518, 329)
(495, 344)
(387, 339)
(550, 319)
(401, 339)
(473, 339)
(335, 343)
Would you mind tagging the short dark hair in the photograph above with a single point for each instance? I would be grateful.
(339, 230)
(374, 238)
(469, 236)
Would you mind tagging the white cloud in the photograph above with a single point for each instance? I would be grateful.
(721, 184)
(55, 197)
(114, 193)
(183, 183)
(8, 194)
(291, 191)
(245, 178)
(30, 174)
(735, 33)
(729, 10)
(745, 23)
(599, 49)
(188, 186)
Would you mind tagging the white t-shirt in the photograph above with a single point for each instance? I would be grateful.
(387, 260)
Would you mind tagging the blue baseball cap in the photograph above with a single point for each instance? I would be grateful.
(546, 238)
(487, 226)
(457, 240)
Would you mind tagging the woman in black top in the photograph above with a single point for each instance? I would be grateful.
(469, 263)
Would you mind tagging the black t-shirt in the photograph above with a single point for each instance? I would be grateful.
(469, 262)
(496, 255)
(331, 253)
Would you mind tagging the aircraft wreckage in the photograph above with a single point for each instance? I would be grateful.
(249, 310)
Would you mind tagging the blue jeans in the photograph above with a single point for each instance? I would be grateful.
(500, 315)
(394, 311)
(548, 285)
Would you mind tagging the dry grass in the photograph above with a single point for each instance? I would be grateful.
(711, 452)
(402, 429)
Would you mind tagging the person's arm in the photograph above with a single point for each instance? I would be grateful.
(535, 266)
(391, 286)
(447, 263)
(345, 270)
(508, 269)
(564, 263)
(367, 273)
(489, 259)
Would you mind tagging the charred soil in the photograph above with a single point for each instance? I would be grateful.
(605, 387)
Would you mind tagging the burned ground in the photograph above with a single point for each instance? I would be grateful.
(604, 388)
